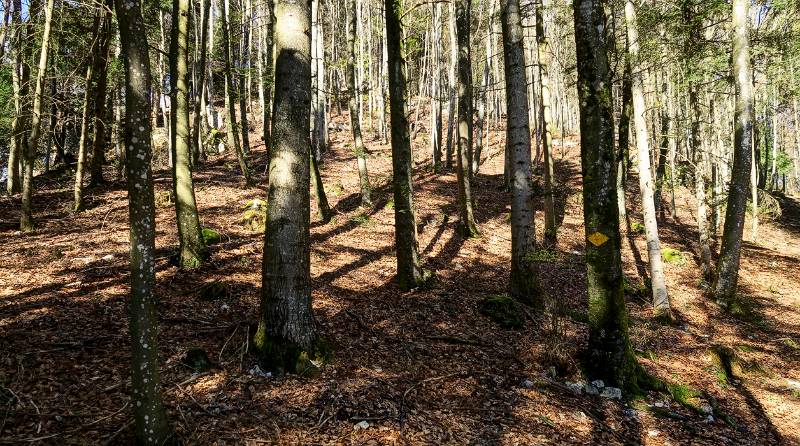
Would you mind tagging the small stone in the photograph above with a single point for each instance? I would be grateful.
(225, 307)
(793, 385)
(361, 425)
(256, 371)
(612, 393)
(598, 383)
(575, 387)
(706, 409)
(660, 404)
(710, 419)
(591, 390)
(631, 413)
(108, 257)
(653, 433)
(528, 384)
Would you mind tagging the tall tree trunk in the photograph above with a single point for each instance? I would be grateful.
(231, 130)
(609, 353)
(198, 152)
(86, 116)
(453, 85)
(464, 149)
(151, 426)
(524, 280)
(99, 100)
(193, 249)
(19, 79)
(728, 263)
(323, 208)
(354, 105)
(661, 305)
(701, 164)
(269, 75)
(26, 221)
(546, 123)
(436, 88)
(409, 271)
(286, 331)
(623, 137)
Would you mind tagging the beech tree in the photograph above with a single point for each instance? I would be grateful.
(193, 249)
(609, 354)
(730, 250)
(524, 276)
(287, 336)
(409, 270)
(151, 425)
(355, 110)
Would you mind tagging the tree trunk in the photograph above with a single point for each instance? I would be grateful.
(728, 263)
(661, 305)
(546, 123)
(436, 88)
(196, 142)
(286, 331)
(609, 353)
(193, 249)
(151, 426)
(231, 130)
(453, 85)
(354, 105)
(409, 271)
(19, 79)
(26, 220)
(524, 280)
(464, 149)
(85, 116)
(323, 208)
(100, 94)
(623, 137)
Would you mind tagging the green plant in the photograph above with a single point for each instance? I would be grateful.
(673, 256)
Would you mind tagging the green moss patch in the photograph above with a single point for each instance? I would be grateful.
(211, 237)
(254, 215)
(673, 256)
(504, 310)
(281, 356)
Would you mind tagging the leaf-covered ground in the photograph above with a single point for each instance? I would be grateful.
(425, 367)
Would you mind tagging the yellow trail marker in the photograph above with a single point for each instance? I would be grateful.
(598, 238)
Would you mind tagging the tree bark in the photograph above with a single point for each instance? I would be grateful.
(546, 123)
(193, 249)
(609, 353)
(661, 304)
(100, 96)
(409, 272)
(29, 156)
(151, 426)
(286, 331)
(464, 150)
(86, 116)
(231, 131)
(354, 105)
(730, 250)
(198, 152)
(524, 280)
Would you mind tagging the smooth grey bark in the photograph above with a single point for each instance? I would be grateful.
(198, 152)
(231, 130)
(193, 249)
(85, 117)
(99, 100)
(20, 81)
(661, 304)
(546, 124)
(730, 250)
(701, 163)
(453, 87)
(354, 104)
(467, 224)
(29, 156)
(286, 330)
(524, 279)
(610, 356)
(409, 272)
(150, 420)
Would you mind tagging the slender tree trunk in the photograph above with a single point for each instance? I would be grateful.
(409, 272)
(323, 208)
(100, 96)
(453, 85)
(464, 149)
(354, 105)
(193, 249)
(661, 305)
(524, 280)
(623, 138)
(436, 88)
(86, 116)
(609, 353)
(26, 221)
(546, 123)
(198, 152)
(286, 331)
(728, 263)
(151, 426)
(20, 73)
(231, 130)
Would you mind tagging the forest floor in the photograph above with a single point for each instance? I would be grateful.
(423, 367)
